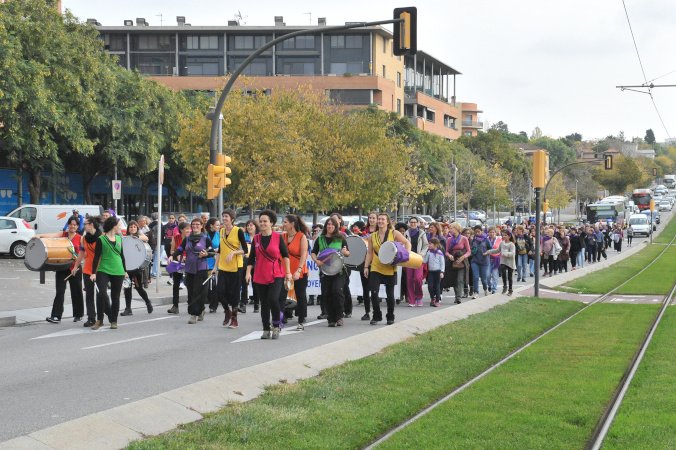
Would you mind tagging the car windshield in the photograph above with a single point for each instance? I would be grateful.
(638, 221)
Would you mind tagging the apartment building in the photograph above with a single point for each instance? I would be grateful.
(355, 67)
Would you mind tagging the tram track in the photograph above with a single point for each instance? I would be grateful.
(610, 412)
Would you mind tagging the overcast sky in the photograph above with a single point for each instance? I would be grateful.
(527, 63)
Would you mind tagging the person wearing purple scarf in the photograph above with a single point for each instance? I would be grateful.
(480, 262)
(494, 266)
(414, 277)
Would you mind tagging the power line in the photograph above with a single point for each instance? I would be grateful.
(660, 116)
(662, 76)
(634, 39)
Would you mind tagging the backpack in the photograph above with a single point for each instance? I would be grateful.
(152, 240)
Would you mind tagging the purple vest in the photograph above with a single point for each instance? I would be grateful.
(193, 263)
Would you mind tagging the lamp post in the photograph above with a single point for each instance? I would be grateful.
(455, 193)
(577, 205)
(209, 116)
(530, 195)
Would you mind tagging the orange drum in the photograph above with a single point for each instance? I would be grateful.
(52, 254)
(395, 254)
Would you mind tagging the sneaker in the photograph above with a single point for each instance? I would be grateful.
(53, 320)
(126, 312)
(532, 275)
(233, 323)
(546, 274)
(340, 323)
(332, 324)
(77, 319)
(510, 292)
(457, 301)
(149, 307)
(475, 296)
(275, 332)
(266, 334)
(96, 325)
(113, 325)
(504, 290)
(192, 320)
(418, 302)
(432, 303)
(212, 310)
(89, 323)
(182, 286)
(411, 305)
(347, 316)
(173, 310)
(201, 316)
(323, 316)
(436, 304)
(374, 322)
(256, 309)
(242, 308)
(169, 282)
(228, 316)
(390, 322)
(366, 317)
(300, 327)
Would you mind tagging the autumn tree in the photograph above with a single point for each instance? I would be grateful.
(625, 173)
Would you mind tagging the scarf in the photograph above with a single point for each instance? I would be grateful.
(91, 238)
(546, 238)
(452, 243)
(481, 238)
(195, 238)
(413, 231)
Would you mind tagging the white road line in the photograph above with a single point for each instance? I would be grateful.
(75, 331)
(9, 278)
(254, 335)
(122, 342)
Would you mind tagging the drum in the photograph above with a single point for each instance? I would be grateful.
(51, 254)
(358, 249)
(137, 254)
(395, 254)
(333, 264)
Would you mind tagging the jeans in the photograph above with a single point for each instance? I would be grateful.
(495, 276)
(580, 258)
(434, 285)
(479, 272)
(521, 263)
(531, 266)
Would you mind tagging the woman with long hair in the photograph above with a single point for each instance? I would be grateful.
(332, 285)
(108, 267)
(251, 229)
(414, 277)
(212, 229)
(233, 245)
(183, 232)
(295, 237)
(371, 227)
(379, 273)
(271, 257)
(92, 225)
(136, 276)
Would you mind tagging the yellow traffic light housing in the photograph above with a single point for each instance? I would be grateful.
(216, 176)
(539, 169)
(405, 40)
(654, 171)
(545, 207)
(652, 205)
(608, 162)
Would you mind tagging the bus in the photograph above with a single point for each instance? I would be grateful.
(641, 198)
(606, 212)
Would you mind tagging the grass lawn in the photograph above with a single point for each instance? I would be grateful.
(350, 405)
(667, 233)
(657, 279)
(604, 280)
(647, 416)
(549, 396)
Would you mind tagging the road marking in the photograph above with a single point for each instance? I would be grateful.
(75, 331)
(9, 278)
(255, 335)
(122, 342)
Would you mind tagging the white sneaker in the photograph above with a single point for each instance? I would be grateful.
(182, 286)
(475, 296)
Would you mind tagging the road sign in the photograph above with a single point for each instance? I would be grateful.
(117, 189)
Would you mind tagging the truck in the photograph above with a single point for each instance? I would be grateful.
(52, 218)
(669, 181)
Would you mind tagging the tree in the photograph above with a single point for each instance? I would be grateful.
(625, 173)
(574, 137)
(536, 134)
(557, 194)
(500, 126)
(560, 154)
(649, 136)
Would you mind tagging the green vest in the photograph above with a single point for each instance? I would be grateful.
(111, 256)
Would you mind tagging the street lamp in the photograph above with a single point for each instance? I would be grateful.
(530, 196)
(209, 116)
(455, 193)
(577, 205)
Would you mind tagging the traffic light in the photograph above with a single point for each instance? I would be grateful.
(216, 176)
(654, 171)
(539, 168)
(545, 207)
(405, 33)
(652, 204)
(608, 162)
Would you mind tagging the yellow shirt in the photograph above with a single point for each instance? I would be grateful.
(376, 265)
(229, 244)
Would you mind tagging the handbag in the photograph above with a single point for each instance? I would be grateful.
(458, 264)
(556, 248)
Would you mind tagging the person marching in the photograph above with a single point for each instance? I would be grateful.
(294, 236)
(108, 266)
(332, 285)
(136, 276)
(212, 228)
(457, 252)
(414, 277)
(434, 259)
(347, 294)
(252, 230)
(379, 273)
(197, 247)
(183, 232)
(92, 230)
(271, 257)
(71, 275)
(233, 245)
(371, 227)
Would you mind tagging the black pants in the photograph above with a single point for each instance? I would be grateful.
(629, 238)
(434, 285)
(212, 294)
(137, 278)
(332, 295)
(562, 265)
(90, 298)
(591, 253)
(244, 286)
(507, 275)
(573, 259)
(197, 291)
(365, 290)
(75, 283)
(229, 286)
(269, 298)
(177, 278)
(109, 306)
(600, 251)
(347, 295)
(375, 280)
(549, 263)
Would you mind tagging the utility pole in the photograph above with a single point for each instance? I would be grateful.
(455, 192)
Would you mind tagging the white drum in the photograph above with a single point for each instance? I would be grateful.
(137, 254)
(333, 264)
(358, 249)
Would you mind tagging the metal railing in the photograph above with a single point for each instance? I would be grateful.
(472, 123)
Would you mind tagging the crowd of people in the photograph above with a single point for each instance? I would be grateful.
(257, 262)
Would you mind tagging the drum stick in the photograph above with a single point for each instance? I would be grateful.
(96, 286)
(205, 281)
(68, 277)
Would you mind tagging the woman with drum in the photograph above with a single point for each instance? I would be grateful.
(271, 258)
(371, 227)
(414, 277)
(233, 245)
(135, 276)
(347, 308)
(108, 267)
(457, 252)
(294, 236)
(332, 283)
(92, 225)
(379, 273)
(197, 247)
(70, 275)
(213, 227)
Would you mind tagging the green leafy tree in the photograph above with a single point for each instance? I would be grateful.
(560, 154)
(649, 136)
(500, 126)
(625, 173)
(575, 137)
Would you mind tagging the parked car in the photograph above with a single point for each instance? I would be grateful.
(51, 218)
(14, 235)
(480, 214)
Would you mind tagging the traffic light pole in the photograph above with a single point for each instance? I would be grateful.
(536, 256)
(213, 144)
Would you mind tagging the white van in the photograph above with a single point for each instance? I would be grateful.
(52, 218)
(639, 223)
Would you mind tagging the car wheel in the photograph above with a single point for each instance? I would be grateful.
(18, 250)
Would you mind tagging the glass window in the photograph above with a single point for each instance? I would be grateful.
(350, 96)
(117, 42)
(298, 68)
(398, 106)
(260, 41)
(28, 214)
(353, 41)
(468, 117)
(338, 68)
(6, 224)
(244, 42)
(193, 42)
(384, 72)
(209, 42)
(398, 79)
(154, 42)
(338, 41)
(384, 45)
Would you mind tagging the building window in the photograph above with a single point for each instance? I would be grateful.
(202, 42)
(298, 68)
(468, 133)
(337, 41)
(429, 115)
(299, 42)
(384, 73)
(398, 79)
(384, 45)
(244, 42)
(398, 106)
(468, 117)
(116, 42)
(153, 42)
(342, 68)
(350, 96)
(353, 41)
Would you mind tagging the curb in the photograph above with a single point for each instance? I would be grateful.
(7, 321)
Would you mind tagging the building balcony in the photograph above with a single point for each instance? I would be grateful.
(472, 124)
